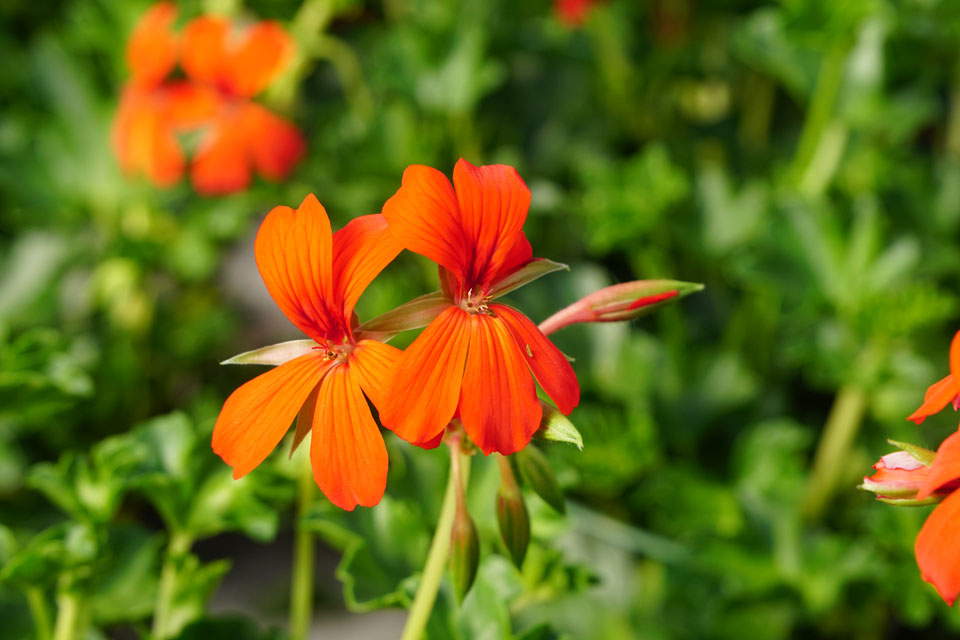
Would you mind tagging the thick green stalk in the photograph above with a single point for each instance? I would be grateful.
(68, 614)
(301, 587)
(838, 434)
(439, 548)
(180, 544)
(38, 611)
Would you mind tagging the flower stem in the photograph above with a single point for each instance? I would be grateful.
(68, 614)
(301, 587)
(838, 434)
(39, 613)
(439, 548)
(180, 543)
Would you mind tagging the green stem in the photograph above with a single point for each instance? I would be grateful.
(301, 588)
(38, 611)
(68, 614)
(439, 548)
(838, 434)
(180, 544)
(820, 114)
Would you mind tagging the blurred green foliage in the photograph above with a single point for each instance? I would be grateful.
(800, 157)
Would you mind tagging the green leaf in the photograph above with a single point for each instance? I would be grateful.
(383, 548)
(557, 427)
(126, 588)
(195, 584)
(229, 628)
(275, 354)
(526, 274)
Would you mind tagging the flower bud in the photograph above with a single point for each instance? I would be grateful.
(464, 552)
(619, 302)
(536, 473)
(512, 514)
(900, 475)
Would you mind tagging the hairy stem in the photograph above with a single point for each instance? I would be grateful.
(439, 548)
(301, 587)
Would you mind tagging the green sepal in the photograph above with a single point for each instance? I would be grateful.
(923, 456)
(275, 354)
(526, 274)
(415, 314)
(557, 427)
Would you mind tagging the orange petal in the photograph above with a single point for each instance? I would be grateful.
(424, 217)
(191, 105)
(275, 144)
(221, 163)
(498, 401)
(204, 48)
(945, 467)
(257, 56)
(153, 47)
(938, 554)
(955, 356)
(548, 364)
(372, 364)
(938, 395)
(293, 254)
(520, 254)
(493, 207)
(305, 419)
(144, 141)
(360, 252)
(346, 450)
(423, 390)
(255, 416)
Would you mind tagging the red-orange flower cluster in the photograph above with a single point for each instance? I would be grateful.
(477, 360)
(224, 66)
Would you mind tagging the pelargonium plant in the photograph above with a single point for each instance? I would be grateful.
(469, 380)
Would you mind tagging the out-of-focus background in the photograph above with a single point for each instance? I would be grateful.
(801, 158)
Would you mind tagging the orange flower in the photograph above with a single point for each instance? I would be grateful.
(475, 358)
(316, 277)
(238, 64)
(943, 392)
(225, 68)
(936, 548)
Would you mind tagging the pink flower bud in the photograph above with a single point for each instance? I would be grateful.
(900, 475)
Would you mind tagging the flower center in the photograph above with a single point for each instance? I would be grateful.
(339, 352)
(476, 303)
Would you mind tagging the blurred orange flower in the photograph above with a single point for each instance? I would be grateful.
(475, 358)
(225, 67)
(316, 278)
